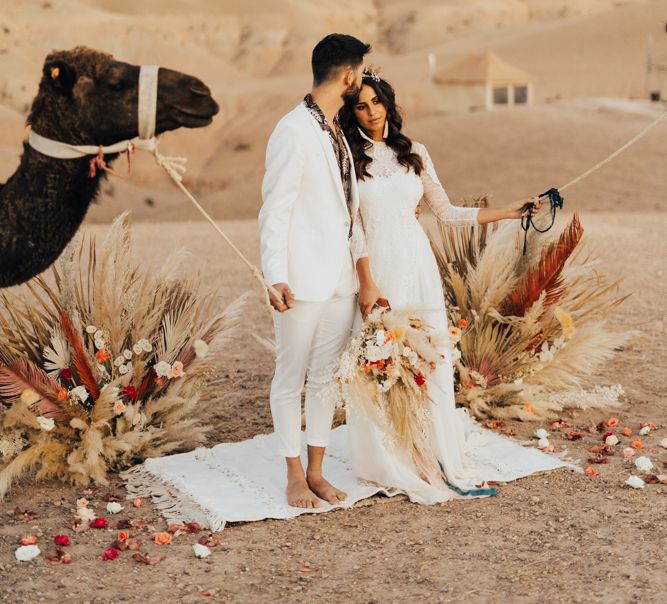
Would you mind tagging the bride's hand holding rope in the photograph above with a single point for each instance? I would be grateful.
(516, 210)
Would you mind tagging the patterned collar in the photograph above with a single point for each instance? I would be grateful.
(317, 113)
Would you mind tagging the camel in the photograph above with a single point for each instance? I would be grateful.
(85, 97)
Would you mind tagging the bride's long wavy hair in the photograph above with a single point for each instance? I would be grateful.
(400, 143)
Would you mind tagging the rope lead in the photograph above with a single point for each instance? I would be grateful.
(556, 203)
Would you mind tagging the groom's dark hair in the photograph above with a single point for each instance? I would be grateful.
(335, 51)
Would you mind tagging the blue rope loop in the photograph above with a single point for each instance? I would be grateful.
(556, 202)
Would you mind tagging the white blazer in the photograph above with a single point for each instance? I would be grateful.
(304, 221)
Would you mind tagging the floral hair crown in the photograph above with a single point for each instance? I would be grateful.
(372, 72)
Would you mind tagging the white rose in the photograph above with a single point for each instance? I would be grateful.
(46, 423)
(541, 433)
(91, 329)
(663, 443)
(201, 348)
(201, 551)
(543, 443)
(81, 393)
(644, 431)
(24, 553)
(113, 507)
(611, 440)
(380, 337)
(162, 369)
(643, 463)
(86, 514)
(635, 482)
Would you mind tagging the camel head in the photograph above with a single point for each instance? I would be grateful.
(87, 97)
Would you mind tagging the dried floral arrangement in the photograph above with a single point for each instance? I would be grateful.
(109, 365)
(538, 321)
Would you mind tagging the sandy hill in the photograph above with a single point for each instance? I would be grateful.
(255, 56)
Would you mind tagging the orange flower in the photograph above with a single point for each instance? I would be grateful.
(62, 394)
(102, 355)
(162, 538)
(28, 540)
(123, 535)
(138, 502)
(627, 431)
(591, 471)
(463, 323)
(159, 381)
(637, 444)
(612, 422)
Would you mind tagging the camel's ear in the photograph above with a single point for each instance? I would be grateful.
(60, 76)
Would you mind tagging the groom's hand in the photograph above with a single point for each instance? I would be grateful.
(286, 300)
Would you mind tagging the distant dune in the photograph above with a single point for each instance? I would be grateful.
(255, 56)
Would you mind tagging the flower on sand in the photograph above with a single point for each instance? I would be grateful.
(82, 502)
(663, 443)
(591, 471)
(644, 431)
(543, 443)
(628, 452)
(612, 439)
(113, 507)
(86, 514)
(162, 538)
(123, 535)
(110, 553)
(643, 463)
(637, 444)
(201, 551)
(541, 433)
(612, 422)
(28, 540)
(46, 423)
(627, 431)
(61, 540)
(99, 523)
(24, 553)
(635, 482)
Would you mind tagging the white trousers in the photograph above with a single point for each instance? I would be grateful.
(309, 338)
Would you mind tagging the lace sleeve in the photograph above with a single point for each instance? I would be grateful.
(437, 199)
(358, 239)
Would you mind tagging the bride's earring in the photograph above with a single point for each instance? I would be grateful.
(385, 134)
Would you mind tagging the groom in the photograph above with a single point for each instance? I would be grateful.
(309, 246)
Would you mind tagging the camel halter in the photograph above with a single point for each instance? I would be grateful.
(146, 141)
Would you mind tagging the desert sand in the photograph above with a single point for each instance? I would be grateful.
(559, 537)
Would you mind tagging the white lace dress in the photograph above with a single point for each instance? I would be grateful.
(404, 268)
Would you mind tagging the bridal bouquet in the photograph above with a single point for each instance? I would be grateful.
(109, 366)
(384, 373)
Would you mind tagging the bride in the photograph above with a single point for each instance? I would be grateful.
(394, 175)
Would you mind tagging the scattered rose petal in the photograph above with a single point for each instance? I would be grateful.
(123, 535)
(612, 422)
(543, 443)
(80, 526)
(595, 449)
(598, 459)
(591, 471)
(24, 515)
(540, 433)
(99, 523)
(663, 443)
(651, 479)
(611, 440)
(82, 502)
(635, 482)
(627, 431)
(85, 514)
(643, 464)
(644, 431)
(25, 553)
(60, 557)
(62, 540)
(637, 444)
(628, 452)
(124, 524)
(28, 540)
(201, 551)
(110, 553)
(113, 507)
(162, 538)
(573, 435)
(111, 497)
(146, 559)
(137, 503)
(209, 541)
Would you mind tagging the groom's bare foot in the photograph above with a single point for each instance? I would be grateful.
(299, 494)
(324, 489)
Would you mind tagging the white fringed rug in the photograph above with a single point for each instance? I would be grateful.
(245, 481)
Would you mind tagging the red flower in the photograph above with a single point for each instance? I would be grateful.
(99, 523)
(65, 374)
(604, 436)
(420, 379)
(130, 392)
(110, 553)
(61, 540)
